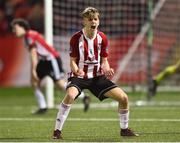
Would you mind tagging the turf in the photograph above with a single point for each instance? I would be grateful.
(155, 121)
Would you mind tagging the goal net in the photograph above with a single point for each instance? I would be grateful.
(127, 24)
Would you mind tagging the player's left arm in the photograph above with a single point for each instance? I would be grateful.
(106, 69)
(34, 62)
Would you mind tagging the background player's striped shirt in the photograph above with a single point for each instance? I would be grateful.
(45, 51)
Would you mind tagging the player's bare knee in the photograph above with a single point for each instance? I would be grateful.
(69, 98)
(71, 95)
(124, 100)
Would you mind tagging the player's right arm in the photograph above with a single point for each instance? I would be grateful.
(74, 67)
(74, 42)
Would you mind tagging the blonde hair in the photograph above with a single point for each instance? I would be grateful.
(89, 12)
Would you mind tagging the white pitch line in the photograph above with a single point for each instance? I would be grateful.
(109, 105)
(91, 119)
(113, 104)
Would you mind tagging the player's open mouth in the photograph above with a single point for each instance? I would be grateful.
(93, 27)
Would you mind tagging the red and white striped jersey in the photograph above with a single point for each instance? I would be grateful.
(89, 52)
(44, 50)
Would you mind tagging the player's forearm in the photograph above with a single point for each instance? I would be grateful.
(105, 64)
(75, 69)
(34, 59)
(34, 62)
(73, 65)
(33, 65)
(106, 69)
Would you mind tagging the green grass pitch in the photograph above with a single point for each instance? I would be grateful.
(155, 121)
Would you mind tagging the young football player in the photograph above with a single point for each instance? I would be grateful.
(90, 70)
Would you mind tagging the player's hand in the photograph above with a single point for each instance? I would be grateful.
(108, 73)
(80, 72)
(34, 82)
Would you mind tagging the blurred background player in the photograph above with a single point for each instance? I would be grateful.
(90, 70)
(45, 61)
(170, 70)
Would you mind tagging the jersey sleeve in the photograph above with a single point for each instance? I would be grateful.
(104, 48)
(73, 52)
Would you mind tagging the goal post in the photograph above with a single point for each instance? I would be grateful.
(47, 82)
